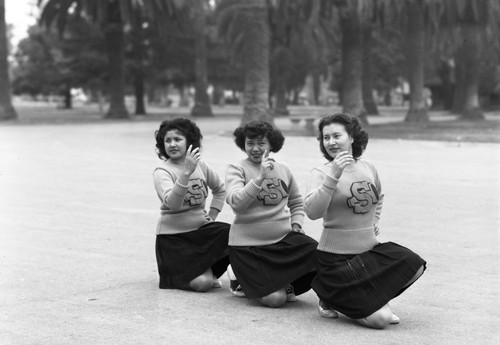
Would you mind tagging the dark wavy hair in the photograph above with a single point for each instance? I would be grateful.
(352, 126)
(188, 128)
(259, 129)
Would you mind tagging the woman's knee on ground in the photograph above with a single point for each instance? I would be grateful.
(275, 299)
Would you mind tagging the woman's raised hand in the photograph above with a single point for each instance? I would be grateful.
(192, 159)
(266, 164)
(341, 161)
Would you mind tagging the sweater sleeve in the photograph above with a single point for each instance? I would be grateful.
(239, 196)
(295, 203)
(378, 208)
(169, 191)
(216, 185)
(320, 190)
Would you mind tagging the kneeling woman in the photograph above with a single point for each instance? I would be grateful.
(191, 247)
(272, 260)
(357, 275)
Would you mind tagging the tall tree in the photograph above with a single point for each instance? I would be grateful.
(421, 17)
(281, 56)
(47, 63)
(415, 18)
(415, 49)
(367, 77)
(113, 16)
(299, 44)
(351, 17)
(139, 51)
(7, 111)
(245, 26)
(474, 19)
(201, 106)
(468, 58)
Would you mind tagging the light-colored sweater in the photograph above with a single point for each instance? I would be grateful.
(263, 214)
(183, 207)
(350, 207)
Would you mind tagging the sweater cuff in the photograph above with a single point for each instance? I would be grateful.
(252, 189)
(297, 219)
(179, 189)
(330, 182)
(217, 204)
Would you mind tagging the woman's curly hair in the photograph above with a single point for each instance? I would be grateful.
(259, 129)
(186, 127)
(352, 126)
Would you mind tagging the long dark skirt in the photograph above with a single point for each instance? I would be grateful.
(262, 270)
(183, 257)
(358, 285)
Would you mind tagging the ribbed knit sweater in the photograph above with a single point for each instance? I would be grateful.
(263, 214)
(349, 206)
(183, 207)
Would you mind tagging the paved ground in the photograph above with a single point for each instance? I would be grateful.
(77, 266)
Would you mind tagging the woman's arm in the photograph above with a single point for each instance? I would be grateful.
(296, 205)
(320, 190)
(239, 196)
(170, 192)
(380, 203)
(216, 185)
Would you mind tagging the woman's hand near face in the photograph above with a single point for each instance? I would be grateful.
(341, 161)
(267, 164)
(192, 159)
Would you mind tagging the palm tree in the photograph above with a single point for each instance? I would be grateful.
(423, 16)
(367, 77)
(414, 18)
(474, 19)
(467, 58)
(113, 16)
(300, 36)
(245, 26)
(139, 51)
(7, 111)
(416, 38)
(351, 17)
(201, 100)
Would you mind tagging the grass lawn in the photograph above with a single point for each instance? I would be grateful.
(441, 130)
(388, 125)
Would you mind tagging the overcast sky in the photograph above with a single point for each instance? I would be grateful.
(20, 13)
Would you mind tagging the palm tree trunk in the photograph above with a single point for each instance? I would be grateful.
(415, 62)
(316, 85)
(202, 107)
(183, 96)
(140, 107)
(139, 49)
(280, 108)
(68, 98)
(115, 50)
(472, 56)
(7, 111)
(445, 72)
(256, 63)
(459, 90)
(352, 63)
(367, 79)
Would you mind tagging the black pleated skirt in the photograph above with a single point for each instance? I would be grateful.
(183, 257)
(262, 270)
(358, 285)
